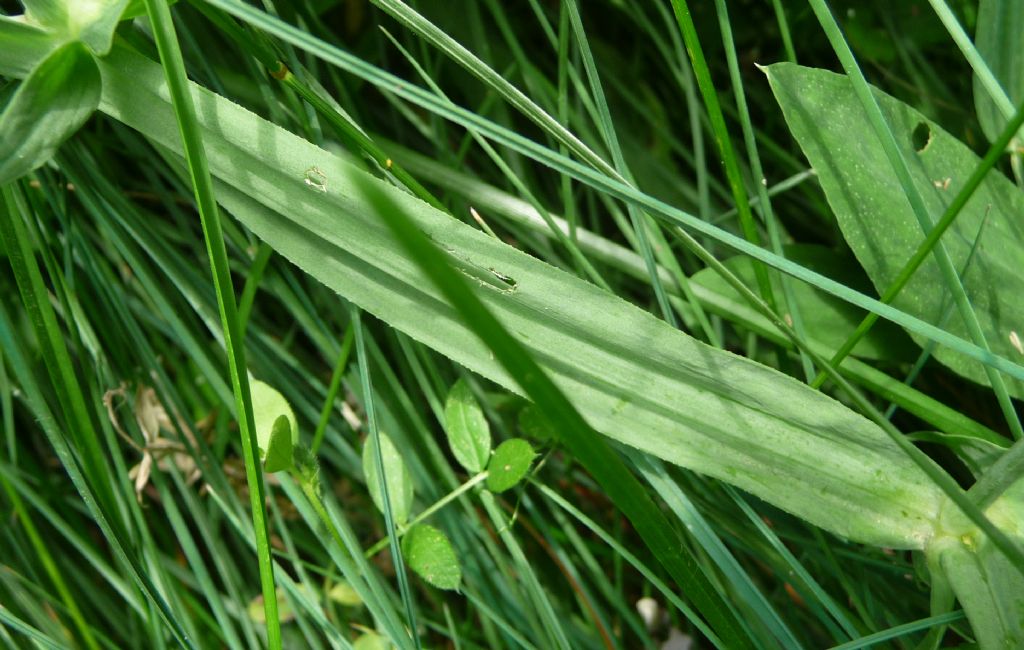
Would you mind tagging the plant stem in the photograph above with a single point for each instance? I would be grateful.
(195, 157)
(440, 503)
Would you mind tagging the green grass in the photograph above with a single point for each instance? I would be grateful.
(600, 222)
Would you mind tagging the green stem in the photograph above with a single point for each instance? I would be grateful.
(378, 459)
(195, 157)
(333, 389)
(718, 127)
(252, 284)
(423, 516)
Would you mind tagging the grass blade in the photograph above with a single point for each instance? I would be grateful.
(195, 157)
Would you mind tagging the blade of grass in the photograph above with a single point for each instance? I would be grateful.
(788, 302)
(46, 559)
(332, 390)
(195, 156)
(389, 518)
(966, 45)
(22, 369)
(655, 473)
(901, 630)
(722, 139)
(640, 221)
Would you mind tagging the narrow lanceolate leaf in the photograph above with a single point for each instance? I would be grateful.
(509, 465)
(878, 223)
(469, 435)
(429, 553)
(399, 483)
(998, 39)
(49, 106)
(633, 377)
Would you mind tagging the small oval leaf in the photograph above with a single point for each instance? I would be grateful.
(469, 435)
(279, 449)
(371, 641)
(429, 553)
(344, 594)
(275, 439)
(510, 463)
(399, 483)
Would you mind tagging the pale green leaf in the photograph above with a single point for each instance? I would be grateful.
(344, 594)
(371, 641)
(91, 21)
(49, 106)
(428, 552)
(879, 225)
(509, 465)
(635, 378)
(276, 428)
(96, 21)
(998, 39)
(469, 435)
(989, 587)
(49, 14)
(399, 483)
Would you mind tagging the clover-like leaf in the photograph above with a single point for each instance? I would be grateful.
(278, 456)
(428, 552)
(399, 483)
(276, 429)
(469, 435)
(510, 463)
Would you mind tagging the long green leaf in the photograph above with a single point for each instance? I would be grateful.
(688, 403)
(986, 583)
(878, 223)
(189, 140)
(603, 182)
(519, 364)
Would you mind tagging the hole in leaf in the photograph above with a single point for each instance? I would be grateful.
(922, 137)
(486, 277)
(314, 177)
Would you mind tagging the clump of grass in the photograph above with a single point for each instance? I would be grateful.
(410, 326)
